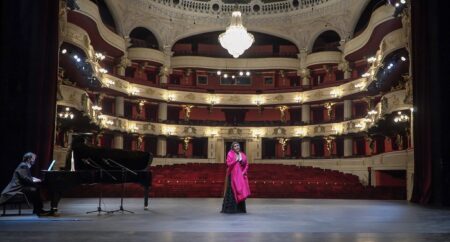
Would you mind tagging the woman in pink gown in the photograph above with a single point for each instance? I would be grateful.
(237, 188)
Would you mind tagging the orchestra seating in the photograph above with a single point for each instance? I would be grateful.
(266, 181)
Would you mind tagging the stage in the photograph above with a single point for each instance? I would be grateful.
(198, 219)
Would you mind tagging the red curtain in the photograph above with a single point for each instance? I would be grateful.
(29, 72)
(430, 81)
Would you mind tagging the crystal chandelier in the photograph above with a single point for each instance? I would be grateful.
(236, 39)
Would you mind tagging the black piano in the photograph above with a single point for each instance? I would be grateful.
(86, 159)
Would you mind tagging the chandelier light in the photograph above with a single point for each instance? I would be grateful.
(236, 39)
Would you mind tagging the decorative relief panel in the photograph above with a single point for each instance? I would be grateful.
(394, 102)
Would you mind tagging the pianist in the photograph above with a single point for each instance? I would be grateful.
(22, 181)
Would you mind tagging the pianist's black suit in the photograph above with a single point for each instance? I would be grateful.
(22, 181)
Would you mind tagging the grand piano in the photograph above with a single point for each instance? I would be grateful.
(86, 159)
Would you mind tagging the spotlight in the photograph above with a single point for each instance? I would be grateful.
(63, 51)
(233, 76)
(241, 73)
(247, 73)
(225, 75)
(397, 5)
(219, 73)
(403, 1)
(403, 58)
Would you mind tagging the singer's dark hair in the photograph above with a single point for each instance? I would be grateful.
(234, 143)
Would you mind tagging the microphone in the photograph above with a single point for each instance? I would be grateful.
(106, 162)
(86, 161)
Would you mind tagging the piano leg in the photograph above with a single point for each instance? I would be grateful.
(54, 197)
(146, 189)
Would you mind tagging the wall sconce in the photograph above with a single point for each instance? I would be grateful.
(361, 85)
(301, 132)
(99, 56)
(103, 70)
(401, 117)
(371, 115)
(96, 108)
(133, 128)
(361, 125)
(371, 59)
(170, 97)
(66, 114)
(257, 133)
(298, 99)
(133, 90)
(337, 128)
(336, 93)
(168, 130)
(108, 82)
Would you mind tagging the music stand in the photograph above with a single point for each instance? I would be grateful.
(95, 165)
(124, 171)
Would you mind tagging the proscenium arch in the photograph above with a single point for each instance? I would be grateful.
(152, 40)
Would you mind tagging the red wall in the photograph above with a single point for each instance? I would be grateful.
(383, 178)
(266, 115)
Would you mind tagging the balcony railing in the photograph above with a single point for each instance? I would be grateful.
(251, 8)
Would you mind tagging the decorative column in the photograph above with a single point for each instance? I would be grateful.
(344, 66)
(161, 146)
(304, 72)
(211, 148)
(120, 106)
(347, 109)
(306, 113)
(166, 70)
(118, 141)
(348, 146)
(123, 64)
(162, 111)
(306, 148)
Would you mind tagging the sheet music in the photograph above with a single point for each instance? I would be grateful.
(51, 165)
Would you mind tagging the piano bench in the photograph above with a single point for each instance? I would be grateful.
(15, 202)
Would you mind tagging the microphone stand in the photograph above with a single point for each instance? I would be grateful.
(94, 164)
(124, 170)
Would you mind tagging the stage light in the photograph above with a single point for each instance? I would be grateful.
(225, 75)
(219, 73)
(403, 58)
(241, 73)
(247, 73)
(63, 51)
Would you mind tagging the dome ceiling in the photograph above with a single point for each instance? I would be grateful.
(297, 21)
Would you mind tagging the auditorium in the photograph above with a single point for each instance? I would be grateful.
(224, 120)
